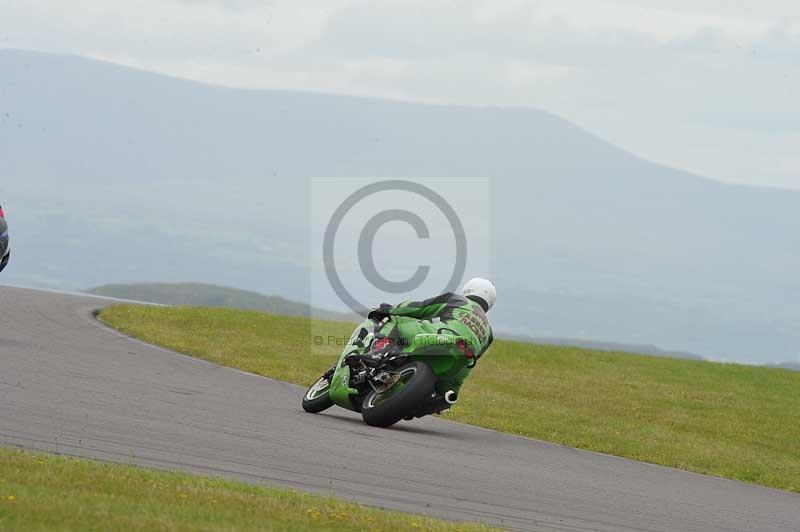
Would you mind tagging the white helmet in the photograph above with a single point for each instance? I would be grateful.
(482, 291)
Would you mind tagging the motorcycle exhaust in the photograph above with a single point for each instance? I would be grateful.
(438, 404)
(450, 397)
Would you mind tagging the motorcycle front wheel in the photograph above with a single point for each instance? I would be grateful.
(415, 384)
(317, 397)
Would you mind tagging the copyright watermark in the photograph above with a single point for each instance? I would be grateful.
(388, 240)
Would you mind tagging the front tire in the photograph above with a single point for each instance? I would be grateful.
(317, 397)
(416, 385)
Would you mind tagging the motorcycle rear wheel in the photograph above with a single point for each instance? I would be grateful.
(416, 385)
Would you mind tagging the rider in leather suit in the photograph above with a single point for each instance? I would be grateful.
(461, 315)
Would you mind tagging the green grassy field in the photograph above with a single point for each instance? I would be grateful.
(732, 421)
(43, 492)
(209, 295)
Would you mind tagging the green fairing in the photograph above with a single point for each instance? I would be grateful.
(340, 392)
(427, 331)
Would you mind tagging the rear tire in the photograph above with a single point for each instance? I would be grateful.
(385, 409)
(317, 397)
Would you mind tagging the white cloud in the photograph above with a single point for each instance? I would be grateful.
(706, 85)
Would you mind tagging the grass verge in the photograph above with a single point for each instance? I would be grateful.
(44, 492)
(733, 421)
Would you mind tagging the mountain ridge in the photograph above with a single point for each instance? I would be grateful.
(185, 181)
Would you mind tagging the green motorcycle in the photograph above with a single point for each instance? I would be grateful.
(392, 383)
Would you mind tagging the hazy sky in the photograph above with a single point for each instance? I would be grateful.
(711, 86)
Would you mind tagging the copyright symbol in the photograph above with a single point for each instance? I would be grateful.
(370, 230)
(319, 340)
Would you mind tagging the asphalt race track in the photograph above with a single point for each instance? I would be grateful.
(70, 385)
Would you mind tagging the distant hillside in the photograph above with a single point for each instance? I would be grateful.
(640, 349)
(207, 295)
(186, 182)
(794, 366)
